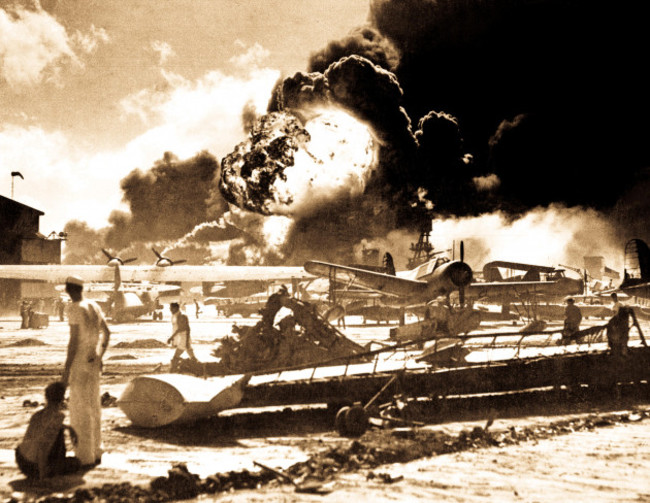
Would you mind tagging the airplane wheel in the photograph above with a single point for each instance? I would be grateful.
(339, 422)
(356, 421)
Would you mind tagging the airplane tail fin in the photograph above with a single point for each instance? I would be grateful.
(389, 265)
(637, 261)
(491, 273)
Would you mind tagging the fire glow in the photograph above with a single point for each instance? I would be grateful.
(335, 162)
(295, 167)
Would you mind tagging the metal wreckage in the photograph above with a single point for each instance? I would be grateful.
(303, 337)
(268, 366)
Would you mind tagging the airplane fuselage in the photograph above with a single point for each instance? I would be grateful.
(428, 281)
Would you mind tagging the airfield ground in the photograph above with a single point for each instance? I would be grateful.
(587, 448)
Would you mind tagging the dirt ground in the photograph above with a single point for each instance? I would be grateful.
(541, 447)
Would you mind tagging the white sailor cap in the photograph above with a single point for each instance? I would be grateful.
(74, 280)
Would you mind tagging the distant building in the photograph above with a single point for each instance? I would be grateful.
(597, 269)
(22, 243)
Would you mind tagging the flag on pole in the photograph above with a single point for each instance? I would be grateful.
(17, 173)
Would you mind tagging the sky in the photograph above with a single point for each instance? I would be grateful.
(289, 130)
(90, 90)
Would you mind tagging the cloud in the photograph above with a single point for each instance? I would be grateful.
(252, 58)
(365, 41)
(486, 183)
(89, 42)
(70, 180)
(190, 116)
(33, 45)
(164, 51)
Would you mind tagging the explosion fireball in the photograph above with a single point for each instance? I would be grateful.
(292, 166)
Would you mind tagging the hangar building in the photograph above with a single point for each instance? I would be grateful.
(22, 243)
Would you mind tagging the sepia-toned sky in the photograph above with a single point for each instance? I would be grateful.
(90, 89)
(497, 121)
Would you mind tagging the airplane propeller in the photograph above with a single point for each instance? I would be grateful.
(165, 261)
(115, 259)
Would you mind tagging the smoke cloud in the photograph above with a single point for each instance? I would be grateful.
(545, 80)
(365, 41)
(83, 243)
(165, 202)
(543, 236)
(525, 145)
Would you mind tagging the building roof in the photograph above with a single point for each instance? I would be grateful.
(7, 201)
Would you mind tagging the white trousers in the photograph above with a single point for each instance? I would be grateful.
(86, 410)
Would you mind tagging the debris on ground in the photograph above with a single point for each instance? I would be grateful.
(26, 343)
(123, 357)
(377, 447)
(141, 344)
(386, 478)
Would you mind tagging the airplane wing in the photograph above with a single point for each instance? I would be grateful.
(641, 290)
(564, 286)
(518, 266)
(379, 282)
(58, 273)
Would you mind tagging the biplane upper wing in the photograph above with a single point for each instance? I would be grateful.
(379, 282)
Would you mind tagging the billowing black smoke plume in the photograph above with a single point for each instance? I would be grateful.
(365, 41)
(556, 85)
(165, 202)
(171, 200)
(457, 109)
(546, 99)
(307, 160)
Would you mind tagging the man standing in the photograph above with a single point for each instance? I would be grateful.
(616, 306)
(572, 319)
(82, 371)
(24, 316)
(180, 338)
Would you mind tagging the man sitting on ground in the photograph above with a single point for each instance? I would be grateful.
(41, 454)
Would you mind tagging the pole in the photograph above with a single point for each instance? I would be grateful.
(12, 186)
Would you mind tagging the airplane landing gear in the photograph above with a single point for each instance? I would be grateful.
(351, 421)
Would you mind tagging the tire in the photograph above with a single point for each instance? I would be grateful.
(340, 423)
(356, 421)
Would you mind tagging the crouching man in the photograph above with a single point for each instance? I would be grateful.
(41, 454)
